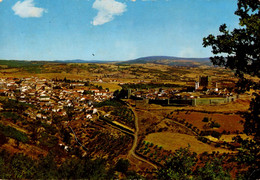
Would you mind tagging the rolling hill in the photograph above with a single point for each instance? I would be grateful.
(169, 60)
(163, 60)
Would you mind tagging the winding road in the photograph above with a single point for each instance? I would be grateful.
(132, 151)
(132, 156)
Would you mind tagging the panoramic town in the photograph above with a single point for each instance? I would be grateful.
(124, 112)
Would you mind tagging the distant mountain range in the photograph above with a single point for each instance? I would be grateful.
(81, 61)
(163, 60)
(169, 60)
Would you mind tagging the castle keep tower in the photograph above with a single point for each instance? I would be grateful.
(204, 81)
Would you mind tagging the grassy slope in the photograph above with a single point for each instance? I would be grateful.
(173, 141)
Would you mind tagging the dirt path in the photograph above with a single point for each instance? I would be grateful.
(132, 153)
(132, 156)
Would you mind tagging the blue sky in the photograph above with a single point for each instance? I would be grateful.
(110, 29)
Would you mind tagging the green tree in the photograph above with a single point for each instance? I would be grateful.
(95, 169)
(179, 166)
(252, 124)
(212, 170)
(72, 168)
(3, 139)
(241, 46)
(122, 165)
(47, 167)
(133, 175)
(239, 50)
(248, 156)
(23, 167)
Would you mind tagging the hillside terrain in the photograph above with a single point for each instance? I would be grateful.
(120, 120)
(171, 61)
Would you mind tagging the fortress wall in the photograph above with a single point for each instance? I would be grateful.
(192, 102)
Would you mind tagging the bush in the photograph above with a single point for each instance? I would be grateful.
(122, 165)
(214, 125)
(47, 140)
(216, 134)
(202, 139)
(217, 145)
(205, 119)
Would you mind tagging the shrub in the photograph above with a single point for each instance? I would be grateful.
(202, 139)
(205, 119)
(217, 145)
(217, 125)
(216, 134)
(122, 165)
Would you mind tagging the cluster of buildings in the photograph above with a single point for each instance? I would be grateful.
(201, 92)
(53, 96)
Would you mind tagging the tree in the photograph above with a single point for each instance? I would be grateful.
(239, 50)
(252, 124)
(212, 170)
(242, 46)
(122, 94)
(179, 166)
(3, 139)
(23, 167)
(248, 156)
(122, 165)
(72, 168)
(47, 167)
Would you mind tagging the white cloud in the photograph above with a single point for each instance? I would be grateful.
(27, 9)
(107, 9)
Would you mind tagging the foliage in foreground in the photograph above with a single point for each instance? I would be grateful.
(19, 166)
(184, 165)
(239, 50)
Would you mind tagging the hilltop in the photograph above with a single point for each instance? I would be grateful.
(169, 60)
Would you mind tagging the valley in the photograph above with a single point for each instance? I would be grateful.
(137, 114)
